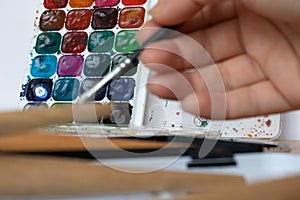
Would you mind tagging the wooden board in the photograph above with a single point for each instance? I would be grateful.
(285, 189)
(40, 176)
(37, 141)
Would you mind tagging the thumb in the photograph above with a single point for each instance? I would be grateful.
(283, 10)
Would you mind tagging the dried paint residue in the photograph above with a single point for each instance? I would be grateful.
(268, 123)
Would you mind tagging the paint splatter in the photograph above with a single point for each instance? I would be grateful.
(268, 122)
(200, 122)
(166, 103)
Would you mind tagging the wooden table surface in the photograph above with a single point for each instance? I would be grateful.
(295, 145)
(62, 176)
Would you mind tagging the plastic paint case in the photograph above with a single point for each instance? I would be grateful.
(168, 114)
(77, 42)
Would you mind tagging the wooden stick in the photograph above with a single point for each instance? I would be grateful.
(55, 177)
(11, 122)
(38, 141)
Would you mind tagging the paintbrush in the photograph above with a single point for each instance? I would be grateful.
(11, 122)
(127, 62)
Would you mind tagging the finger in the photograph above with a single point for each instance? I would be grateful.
(275, 48)
(170, 85)
(207, 16)
(239, 72)
(287, 11)
(196, 49)
(182, 54)
(210, 15)
(228, 75)
(174, 12)
(147, 31)
(259, 99)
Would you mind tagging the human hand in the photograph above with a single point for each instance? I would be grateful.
(255, 45)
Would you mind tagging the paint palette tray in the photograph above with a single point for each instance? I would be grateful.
(77, 42)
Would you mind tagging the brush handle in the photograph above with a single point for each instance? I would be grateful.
(161, 34)
(127, 62)
(11, 122)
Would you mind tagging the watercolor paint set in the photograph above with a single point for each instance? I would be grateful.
(77, 42)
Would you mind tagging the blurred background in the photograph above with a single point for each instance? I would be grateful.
(16, 21)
